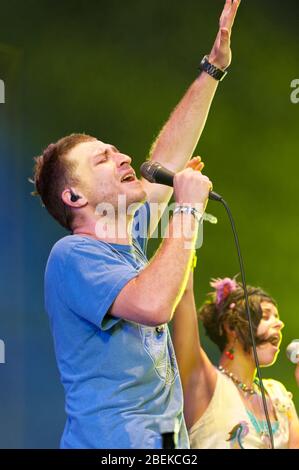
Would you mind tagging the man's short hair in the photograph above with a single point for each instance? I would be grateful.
(53, 173)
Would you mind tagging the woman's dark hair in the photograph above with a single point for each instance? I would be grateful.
(232, 311)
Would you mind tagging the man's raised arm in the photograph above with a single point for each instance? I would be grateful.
(179, 136)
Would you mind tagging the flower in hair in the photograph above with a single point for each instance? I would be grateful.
(223, 288)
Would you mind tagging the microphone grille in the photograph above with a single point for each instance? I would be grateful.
(148, 170)
(293, 351)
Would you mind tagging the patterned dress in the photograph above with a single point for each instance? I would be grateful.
(227, 424)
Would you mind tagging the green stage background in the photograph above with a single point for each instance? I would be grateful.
(115, 70)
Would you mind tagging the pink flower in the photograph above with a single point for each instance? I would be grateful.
(223, 288)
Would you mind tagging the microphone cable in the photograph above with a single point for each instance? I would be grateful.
(154, 172)
(258, 369)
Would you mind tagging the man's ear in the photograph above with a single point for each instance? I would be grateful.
(73, 198)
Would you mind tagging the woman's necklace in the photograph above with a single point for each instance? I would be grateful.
(259, 425)
(247, 390)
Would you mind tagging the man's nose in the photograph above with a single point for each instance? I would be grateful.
(122, 159)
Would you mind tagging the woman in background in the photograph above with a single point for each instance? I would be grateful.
(223, 405)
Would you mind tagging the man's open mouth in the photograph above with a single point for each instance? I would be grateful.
(128, 178)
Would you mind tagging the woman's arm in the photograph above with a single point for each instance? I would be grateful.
(198, 374)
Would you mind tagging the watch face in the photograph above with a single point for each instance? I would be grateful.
(213, 71)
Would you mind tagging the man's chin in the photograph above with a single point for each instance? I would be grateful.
(136, 197)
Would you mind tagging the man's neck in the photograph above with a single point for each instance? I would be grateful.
(110, 233)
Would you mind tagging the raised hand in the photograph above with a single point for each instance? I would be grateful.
(221, 54)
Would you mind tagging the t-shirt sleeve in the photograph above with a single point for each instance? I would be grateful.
(93, 277)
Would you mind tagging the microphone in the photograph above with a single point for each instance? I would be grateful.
(293, 351)
(154, 172)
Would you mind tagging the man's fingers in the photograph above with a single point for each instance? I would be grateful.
(229, 14)
(226, 10)
(227, 6)
(233, 12)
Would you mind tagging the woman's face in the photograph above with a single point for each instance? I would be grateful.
(269, 330)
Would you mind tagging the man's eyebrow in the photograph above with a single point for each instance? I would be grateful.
(102, 150)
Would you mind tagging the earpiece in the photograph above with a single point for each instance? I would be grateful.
(74, 197)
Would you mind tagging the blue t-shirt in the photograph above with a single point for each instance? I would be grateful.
(121, 379)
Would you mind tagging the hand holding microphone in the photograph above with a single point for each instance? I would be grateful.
(154, 172)
(191, 187)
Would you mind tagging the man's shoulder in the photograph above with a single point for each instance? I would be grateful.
(74, 246)
(65, 245)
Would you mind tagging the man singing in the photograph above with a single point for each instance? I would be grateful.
(108, 306)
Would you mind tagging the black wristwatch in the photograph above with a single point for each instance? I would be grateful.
(209, 68)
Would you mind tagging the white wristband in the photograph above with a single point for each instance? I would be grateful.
(188, 210)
